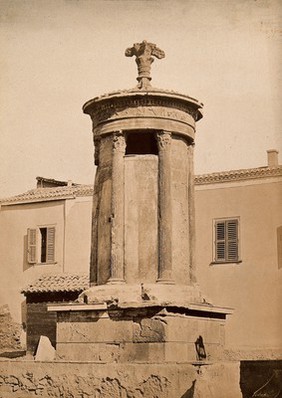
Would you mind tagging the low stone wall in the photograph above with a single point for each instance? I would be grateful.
(23, 378)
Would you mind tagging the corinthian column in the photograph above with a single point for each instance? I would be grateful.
(117, 217)
(95, 216)
(191, 210)
(165, 209)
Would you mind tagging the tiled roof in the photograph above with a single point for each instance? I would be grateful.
(43, 182)
(46, 194)
(58, 283)
(71, 192)
(238, 175)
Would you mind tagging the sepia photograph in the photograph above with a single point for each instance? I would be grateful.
(141, 199)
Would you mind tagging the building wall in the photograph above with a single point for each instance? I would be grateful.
(252, 287)
(72, 220)
(78, 235)
(14, 221)
(40, 321)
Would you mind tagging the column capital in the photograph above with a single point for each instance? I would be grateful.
(165, 274)
(117, 216)
(163, 139)
(119, 141)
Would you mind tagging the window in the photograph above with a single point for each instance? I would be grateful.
(226, 240)
(41, 245)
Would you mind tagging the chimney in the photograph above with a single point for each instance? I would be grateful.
(272, 158)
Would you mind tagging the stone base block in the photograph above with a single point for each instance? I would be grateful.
(151, 294)
(146, 334)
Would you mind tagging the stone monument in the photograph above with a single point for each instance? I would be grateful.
(143, 303)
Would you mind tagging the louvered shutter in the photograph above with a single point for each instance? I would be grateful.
(232, 240)
(31, 246)
(220, 241)
(226, 241)
(50, 252)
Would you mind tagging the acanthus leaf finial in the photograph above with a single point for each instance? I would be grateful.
(144, 53)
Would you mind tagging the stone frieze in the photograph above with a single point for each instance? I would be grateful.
(136, 109)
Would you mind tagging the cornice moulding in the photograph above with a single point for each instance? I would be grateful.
(238, 175)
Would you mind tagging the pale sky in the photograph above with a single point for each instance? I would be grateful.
(58, 54)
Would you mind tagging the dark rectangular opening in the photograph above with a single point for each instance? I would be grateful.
(141, 143)
(43, 232)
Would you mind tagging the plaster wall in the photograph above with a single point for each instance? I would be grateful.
(78, 235)
(72, 219)
(253, 286)
(14, 221)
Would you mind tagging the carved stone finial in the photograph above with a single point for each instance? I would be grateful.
(144, 53)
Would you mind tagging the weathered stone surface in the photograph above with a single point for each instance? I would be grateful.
(151, 116)
(134, 110)
(149, 333)
(10, 331)
(97, 352)
(181, 203)
(149, 330)
(73, 380)
(141, 221)
(100, 330)
(45, 350)
(145, 293)
(144, 53)
(112, 294)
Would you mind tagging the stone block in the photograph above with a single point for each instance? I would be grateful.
(143, 352)
(149, 330)
(45, 350)
(137, 333)
(178, 329)
(101, 330)
(176, 352)
(92, 352)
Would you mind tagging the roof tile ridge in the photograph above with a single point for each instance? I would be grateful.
(238, 174)
(37, 193)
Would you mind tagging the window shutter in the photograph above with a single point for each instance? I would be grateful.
(50, 252)
(232, 240)
(31, 245)
(220, 241)
(226, 240)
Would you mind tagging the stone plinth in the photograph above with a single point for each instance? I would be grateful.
(148, 323)
(148, 333)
